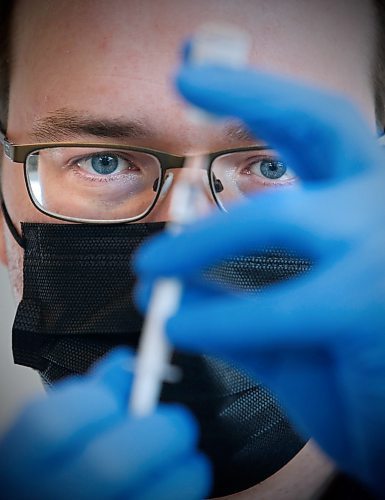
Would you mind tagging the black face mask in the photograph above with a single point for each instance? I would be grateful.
(77, 305)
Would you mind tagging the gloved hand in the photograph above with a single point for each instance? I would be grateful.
(80, 443)
(318, 341)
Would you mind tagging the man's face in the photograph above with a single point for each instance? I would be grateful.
(115, 61)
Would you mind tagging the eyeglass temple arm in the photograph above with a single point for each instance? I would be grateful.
(2, 137)
(7, 146)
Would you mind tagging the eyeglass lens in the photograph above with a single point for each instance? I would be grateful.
(93, 184)
(117, 184)
(242, 174)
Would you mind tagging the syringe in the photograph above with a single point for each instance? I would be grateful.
(152, 365)
(219, 44)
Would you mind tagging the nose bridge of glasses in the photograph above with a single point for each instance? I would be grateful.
(174, 188)
(196, 174)
(174, 167)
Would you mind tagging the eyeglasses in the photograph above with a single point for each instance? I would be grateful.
(104, 183)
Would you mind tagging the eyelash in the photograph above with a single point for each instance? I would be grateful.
(77, 170)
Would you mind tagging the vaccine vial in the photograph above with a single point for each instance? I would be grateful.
(216, 44)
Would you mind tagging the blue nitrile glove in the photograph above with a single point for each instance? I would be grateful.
(317, 341)
(79, 443)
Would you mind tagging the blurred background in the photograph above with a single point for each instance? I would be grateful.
(17, 383)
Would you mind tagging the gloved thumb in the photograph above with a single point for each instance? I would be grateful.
(115, 371)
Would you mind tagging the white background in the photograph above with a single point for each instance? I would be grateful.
(17, 383)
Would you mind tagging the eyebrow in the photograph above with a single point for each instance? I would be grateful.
(64, 124)
(238, 132)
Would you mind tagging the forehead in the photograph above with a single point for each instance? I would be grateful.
(118, 56)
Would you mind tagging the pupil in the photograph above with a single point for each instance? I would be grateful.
(273, 169)
(105, 164)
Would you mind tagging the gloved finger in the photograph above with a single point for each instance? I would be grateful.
(307, 383)
(190, 479)
(361, 374)
(72, 414)
(115, 370)
(275, 220)
(311, 222)
(287, 314)
(320, 135)
(321, 388)
(124, 457)
(144, 290)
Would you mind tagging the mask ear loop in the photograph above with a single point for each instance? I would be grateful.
(19, 239)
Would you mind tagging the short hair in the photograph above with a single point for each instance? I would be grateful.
(378, 71)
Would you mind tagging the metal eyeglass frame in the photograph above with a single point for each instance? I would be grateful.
(18, 153)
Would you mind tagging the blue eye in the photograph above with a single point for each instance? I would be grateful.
(105, 164)
(272, 169)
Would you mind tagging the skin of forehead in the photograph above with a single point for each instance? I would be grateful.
(117, 58)
(120, 57)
